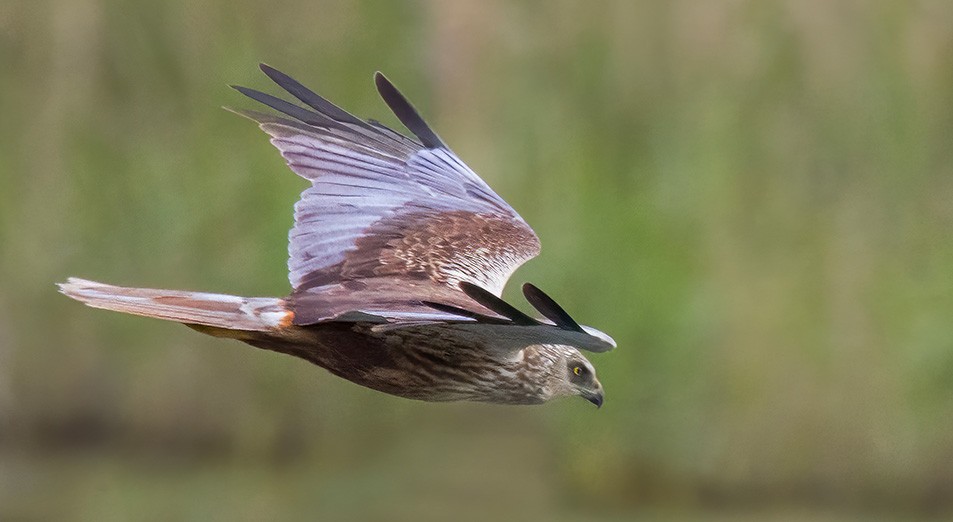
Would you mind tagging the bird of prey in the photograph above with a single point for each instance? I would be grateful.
(398, 255)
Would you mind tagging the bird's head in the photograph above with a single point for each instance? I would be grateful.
(575, 375)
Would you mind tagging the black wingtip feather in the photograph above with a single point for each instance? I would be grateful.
(549, 308)
(406, 113)
(462, 312)
(309, 97)
(284, 107)
(494, 303)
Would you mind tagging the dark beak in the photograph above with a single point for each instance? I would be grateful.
(596, 396)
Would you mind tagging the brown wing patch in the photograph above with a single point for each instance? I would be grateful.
(439, 248)
(442, 247)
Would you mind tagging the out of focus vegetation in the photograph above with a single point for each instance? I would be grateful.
(754, 198)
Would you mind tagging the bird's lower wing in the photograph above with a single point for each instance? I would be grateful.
(508, 338)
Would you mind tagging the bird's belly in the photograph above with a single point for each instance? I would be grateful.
(407, 365)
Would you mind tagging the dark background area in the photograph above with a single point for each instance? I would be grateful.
(754, 198)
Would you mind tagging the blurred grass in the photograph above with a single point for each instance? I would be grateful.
(753, 198)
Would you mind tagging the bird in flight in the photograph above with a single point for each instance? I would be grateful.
(397, 259)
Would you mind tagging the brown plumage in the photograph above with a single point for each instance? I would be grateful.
(398, 256)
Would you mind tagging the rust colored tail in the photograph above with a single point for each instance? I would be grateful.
(193, 308)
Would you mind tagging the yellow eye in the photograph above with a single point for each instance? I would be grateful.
(577, 370)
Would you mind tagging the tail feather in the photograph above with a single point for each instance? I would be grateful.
(194, 308)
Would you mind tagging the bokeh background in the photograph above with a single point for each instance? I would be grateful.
(754, 198)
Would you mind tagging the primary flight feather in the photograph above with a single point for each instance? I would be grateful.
(397, 259)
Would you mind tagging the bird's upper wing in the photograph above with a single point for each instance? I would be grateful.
(388, 221)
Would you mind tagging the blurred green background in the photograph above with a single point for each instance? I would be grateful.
(754, 198)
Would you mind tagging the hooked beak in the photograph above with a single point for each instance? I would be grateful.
(595, 396)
